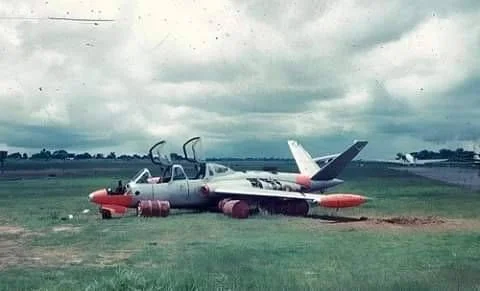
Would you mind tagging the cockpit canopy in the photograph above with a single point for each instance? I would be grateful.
(142, 176)
(218, 170)
(178, 172)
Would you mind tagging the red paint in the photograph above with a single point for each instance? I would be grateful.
(236, 209)
(154, 208)
(115, 209)
(101, 197)
(341, 200)
(303, 180)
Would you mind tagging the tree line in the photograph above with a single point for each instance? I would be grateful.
(454, 155)
(45, 154)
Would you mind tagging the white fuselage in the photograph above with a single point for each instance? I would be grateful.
(183, 192)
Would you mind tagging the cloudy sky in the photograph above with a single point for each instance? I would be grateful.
(245, 75)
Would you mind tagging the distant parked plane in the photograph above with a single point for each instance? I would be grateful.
(408, 159)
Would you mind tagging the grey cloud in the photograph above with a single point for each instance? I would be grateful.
(273, 12)
(262, 100)
(36, 136)
(218, 71)
(252, 97)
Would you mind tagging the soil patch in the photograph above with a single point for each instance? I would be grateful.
(4, 229)
(428, 223)
(68, 228)
(54, 256)
(113, 257)
(411, 220)
(11, 249)
(14, 253)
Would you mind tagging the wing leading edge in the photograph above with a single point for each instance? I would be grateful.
(267, 193)
(330, 201)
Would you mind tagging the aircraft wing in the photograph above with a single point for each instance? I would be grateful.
(421, 162)
(325, 158)
(338, 200)
(249, 191)
(386, 161)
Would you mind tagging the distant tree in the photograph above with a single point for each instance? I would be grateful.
(84, 156)
(42, 155)
(99, 156)
(423, 154)
(3, 156)
(125, 157)
(137, 157)
(446, 154)
(25, 156)
(15, 156)
(60, 155)
(111, 156)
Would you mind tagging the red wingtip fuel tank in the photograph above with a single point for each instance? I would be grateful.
(101, 197)
(342, 200)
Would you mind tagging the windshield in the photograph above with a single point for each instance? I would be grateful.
(142, 176)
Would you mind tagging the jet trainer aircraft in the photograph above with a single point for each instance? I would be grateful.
(215, 186)
(408, 159)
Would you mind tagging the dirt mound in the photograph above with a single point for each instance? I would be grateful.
(411, 220)
(397, 223)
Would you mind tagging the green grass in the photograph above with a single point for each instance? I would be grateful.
(208, 251)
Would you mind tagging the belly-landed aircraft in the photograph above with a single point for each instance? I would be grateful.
(236, 193)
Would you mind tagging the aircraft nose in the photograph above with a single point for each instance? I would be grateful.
(95, 195)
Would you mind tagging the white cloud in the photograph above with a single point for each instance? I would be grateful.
(436, 56)
(234, 70)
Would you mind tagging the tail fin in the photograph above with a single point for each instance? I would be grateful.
(332, 169)
(306, 165)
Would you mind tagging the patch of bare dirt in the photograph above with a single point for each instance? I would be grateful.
(55, 256)
(427, 223)
(14, 252)
(411, 220)
(5, 229)
(11, 249)
(113, 257)
(69, 228)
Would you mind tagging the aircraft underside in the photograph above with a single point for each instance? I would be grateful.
(232, 207)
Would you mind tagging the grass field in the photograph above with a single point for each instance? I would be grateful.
(208, 251)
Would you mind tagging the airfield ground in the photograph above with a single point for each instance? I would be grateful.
(467, 177)
(418, 234)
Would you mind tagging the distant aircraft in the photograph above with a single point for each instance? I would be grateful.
(215, 186)
(3, 156)
(408, 159)
(476, 157)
